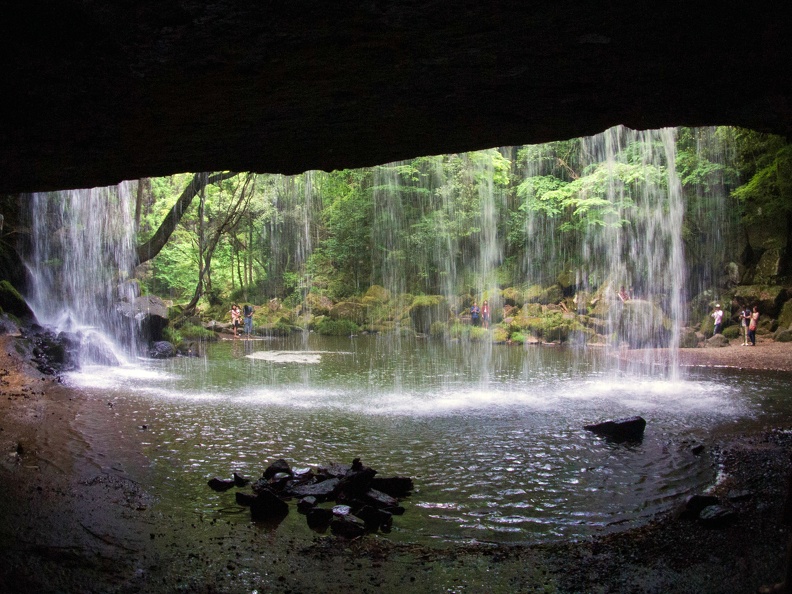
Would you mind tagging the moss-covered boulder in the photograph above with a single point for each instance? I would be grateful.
(783, 335)
(11, 302)
(543, 295)
(785, 316)
(377, 293)
(768, 268)
(512, 296)
(318, 305)
(769, 299)
(349, 310)
(427, 309)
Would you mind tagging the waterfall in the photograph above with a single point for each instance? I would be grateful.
(83, 251)
(624, 259)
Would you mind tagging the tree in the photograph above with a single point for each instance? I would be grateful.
(154, 245)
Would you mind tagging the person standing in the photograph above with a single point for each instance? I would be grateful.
(236, 318)
(485, 313)
(474, 314)
(752, 325)
(717, 315)
(247, 311)
(745, 319)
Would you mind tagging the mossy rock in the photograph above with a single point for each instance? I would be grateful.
(377, 293)
(769, 299)
(349, 310)
(11, 302)
(551, 295)
(427, 309)
(783, 335)
(512, 296)
(785, 316)
(531, 310)
(733, 331)
(319, 305)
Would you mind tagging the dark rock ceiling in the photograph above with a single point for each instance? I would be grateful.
(97, 92)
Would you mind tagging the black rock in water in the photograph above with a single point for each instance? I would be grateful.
(266, 505)
(276, 467)
(219, 484)
(395, 486)
(619, 430)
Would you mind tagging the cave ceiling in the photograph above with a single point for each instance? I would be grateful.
(99, 92)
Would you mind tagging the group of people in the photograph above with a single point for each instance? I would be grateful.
(242, 317)
(480, 316)
(749, 320)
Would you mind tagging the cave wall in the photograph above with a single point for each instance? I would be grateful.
(99, 92)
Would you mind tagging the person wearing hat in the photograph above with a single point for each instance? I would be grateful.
(717, 315)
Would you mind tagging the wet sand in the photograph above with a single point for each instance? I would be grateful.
(76, 515)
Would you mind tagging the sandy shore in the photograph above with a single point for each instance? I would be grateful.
(76, 515)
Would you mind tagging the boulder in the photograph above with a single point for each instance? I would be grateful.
(619, 430)
(13, 303)
(347, 527)
(696, 503)
(161, 349)
(149, 312)
(717, 341)
(770, 299)
(323, 491)
(395, 486)
(782, 335)
(279, 465)
(218, 484)
(266, 505)
(717, 516)
(319, 518)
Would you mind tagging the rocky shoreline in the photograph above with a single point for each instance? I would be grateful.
(76, 515)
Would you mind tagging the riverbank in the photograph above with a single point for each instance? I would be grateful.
(77, 515)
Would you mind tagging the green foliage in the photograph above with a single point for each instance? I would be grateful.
(172, 335)
(419, 226)
(330, 327)
(193, 332)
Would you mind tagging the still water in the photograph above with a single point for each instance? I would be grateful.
(492, 435)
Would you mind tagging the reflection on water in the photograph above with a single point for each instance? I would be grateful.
(497, 453)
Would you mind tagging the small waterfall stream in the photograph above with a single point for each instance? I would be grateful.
(81, 264)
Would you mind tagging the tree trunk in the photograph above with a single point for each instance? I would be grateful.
(153, 246)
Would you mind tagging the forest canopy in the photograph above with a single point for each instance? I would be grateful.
(455, 224)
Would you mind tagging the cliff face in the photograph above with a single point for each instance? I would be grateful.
(99, 92)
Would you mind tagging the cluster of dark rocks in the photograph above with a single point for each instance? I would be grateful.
(712, 511)
(363, 502)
